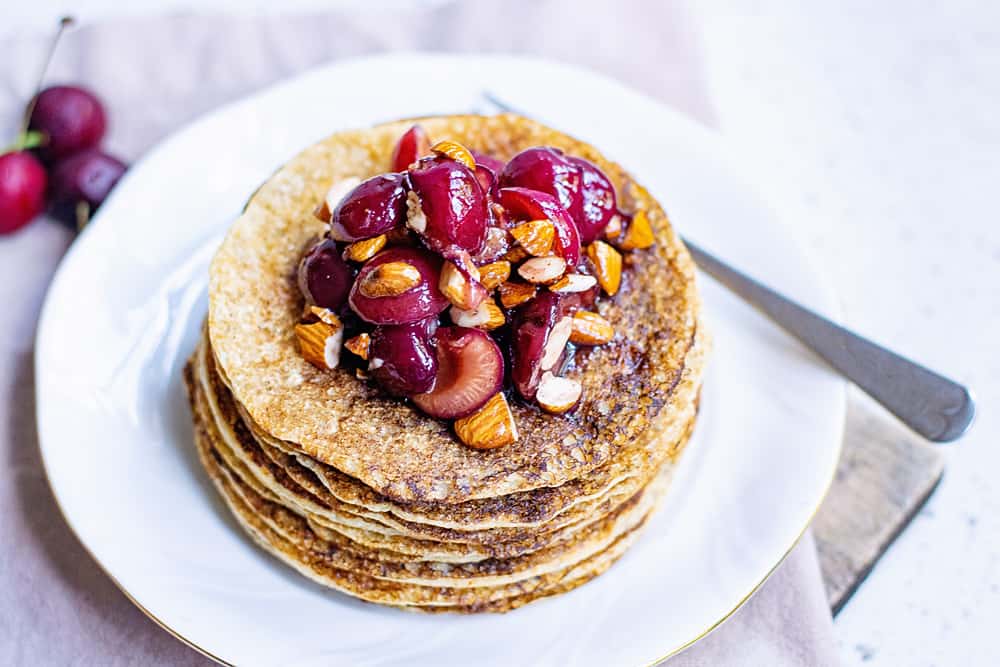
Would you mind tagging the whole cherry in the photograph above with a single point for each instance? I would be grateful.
(22, 189)
(80, 183)
(69, 119)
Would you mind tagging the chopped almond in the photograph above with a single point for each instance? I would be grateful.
(543, 270)
(556, 343)
(614, 227)
(487, 317)
(464, 292)
(359, 345)
(638, 234)
(557, 395)
(490, 426)
(493, 274)
(516, 254)
(320, 343)
(590, 329)
(514, 294)
(573, 282)
(455, 151)
(535, 236)
(389, 279)
(608, 266)
(334, 196)
(362, 251)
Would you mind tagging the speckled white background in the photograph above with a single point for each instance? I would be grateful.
(876, 126)
(876, 129)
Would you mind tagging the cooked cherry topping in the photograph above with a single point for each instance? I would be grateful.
(527, 204)
(452, 205)
(416, 303)
(595, 202)
(546, 170)
(403, 358)
(324, 277)
(495, 165)
(447, 222)
(532, 326)
(372, 208)
(470, 372)
(412, 146)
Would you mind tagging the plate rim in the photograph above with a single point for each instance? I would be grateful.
(732, 159)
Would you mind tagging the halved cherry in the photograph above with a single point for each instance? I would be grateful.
(494, 164)
(452, 206)
(528, 204)
(487, 180)
(413, 145)
(372, 208)
(402, 357)
(595, 202)
(470, 372)
(324, 277)
(538, 340)
(546, 170)
(416, 303)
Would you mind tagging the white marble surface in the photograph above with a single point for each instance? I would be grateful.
(876, 127)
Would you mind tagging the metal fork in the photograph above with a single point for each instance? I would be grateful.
(934, 406)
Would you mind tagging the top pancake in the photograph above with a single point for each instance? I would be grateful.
(254, 304)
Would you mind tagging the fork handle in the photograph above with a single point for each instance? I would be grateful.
(937, 408)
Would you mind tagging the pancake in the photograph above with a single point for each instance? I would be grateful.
(299, 486)
(384, 443)
(317, 566)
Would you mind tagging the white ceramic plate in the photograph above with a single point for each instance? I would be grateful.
(124, 311)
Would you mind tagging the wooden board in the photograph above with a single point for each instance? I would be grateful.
(885, 475)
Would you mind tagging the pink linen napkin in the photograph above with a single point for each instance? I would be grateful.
(56, 605)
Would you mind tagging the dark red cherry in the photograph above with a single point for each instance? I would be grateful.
(470, 372)
(526, 204)
(417, 303)
(494, 164)
(595, 202)
(402, 358)
(487, 180)
(453, 212)
(374, 207)
(538, 340)
(413, 145)
(325, 279)
(546, 170)
(22, 190)
(85, 177)
(70, 117)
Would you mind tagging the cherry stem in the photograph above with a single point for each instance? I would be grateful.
(64, 23)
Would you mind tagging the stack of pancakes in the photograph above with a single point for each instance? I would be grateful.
(361, 492)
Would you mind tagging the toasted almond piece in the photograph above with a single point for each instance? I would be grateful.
(573, 282)
(359, 345)
(516, 254)
(487, 317)
(638, 234)
(389, 279)
(490, 426)
(543, 270)
(464, 292)
(334, 196)
(362, 251)
(324, 315)
(556, 342)
(415, 218)
(320, 342)
(493, 274)
(614, 227)
(608, 266)
(514, 294)
(557, 395)
(455, 151)
(535, 236)
(590, 329)
(361, 374)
